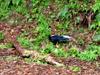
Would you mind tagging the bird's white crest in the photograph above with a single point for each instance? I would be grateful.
(65, 36)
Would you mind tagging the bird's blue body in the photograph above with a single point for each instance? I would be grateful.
(59, 39)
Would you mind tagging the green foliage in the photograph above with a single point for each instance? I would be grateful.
(63, 26)
(68, 10)
(77, 21)
(48, 49)
(90, 54)
(96, 9)
(5, 46)
(94, 48)
(96, 24)
(64, 13)
(8, 6)
(39, 2)
(80, 41)
(31, 60)
(73, 4)
(86, 1)
(74, 68)
(42, 29)
(59, 52)
(25, 42)
(96, 6)
(1, 36)
(96, 38)
(16, 2)
(56, 51)
(98, 18)
(3, 8)
(73, 52)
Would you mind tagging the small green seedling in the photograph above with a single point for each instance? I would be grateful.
(5, 46)
(75, 68)
(96, 38)
(1, 36)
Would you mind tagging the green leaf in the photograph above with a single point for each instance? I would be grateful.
(16, 2)
(1, 36)
(88, 55)
(98, 17)
(96, 38)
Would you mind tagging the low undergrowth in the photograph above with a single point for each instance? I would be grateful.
(65, 18)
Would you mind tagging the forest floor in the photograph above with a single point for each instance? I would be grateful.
(12, 64)
(20, 67)
(28, 31)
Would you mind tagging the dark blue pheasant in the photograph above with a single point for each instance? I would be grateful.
(59, 39)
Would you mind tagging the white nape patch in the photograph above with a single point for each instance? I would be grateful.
(65, 36)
